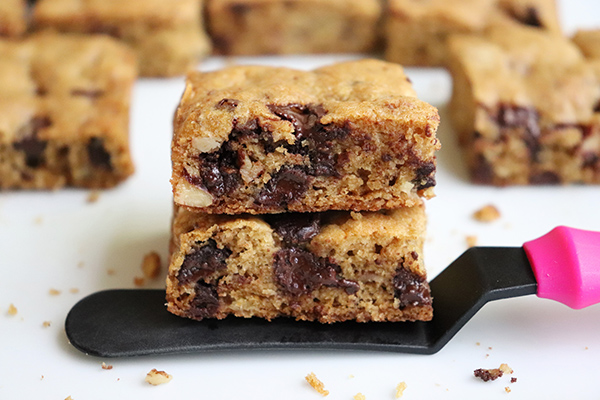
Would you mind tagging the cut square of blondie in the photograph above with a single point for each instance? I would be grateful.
(12, 18)
(417, 31)
(525, 105)
(252, 27)
(350, 136)
(64, 112)
(167, 36)
(327, 267)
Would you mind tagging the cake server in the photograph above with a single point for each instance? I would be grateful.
(562, 265)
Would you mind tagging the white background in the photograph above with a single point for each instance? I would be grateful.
(60, 241)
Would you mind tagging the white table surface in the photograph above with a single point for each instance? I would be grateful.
(60, 241)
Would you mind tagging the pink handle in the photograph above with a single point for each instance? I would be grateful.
(566, 264)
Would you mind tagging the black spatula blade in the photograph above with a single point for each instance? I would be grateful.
(117, 323)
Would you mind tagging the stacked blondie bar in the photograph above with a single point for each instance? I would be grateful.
(300, 193)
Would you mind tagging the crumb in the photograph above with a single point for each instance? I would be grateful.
(12, 310)
(477, 344)
(155, 377)
(93, 196)
(505, 368)
(487, 213)
(139, 281)
(488, 374)
(586, 348)
(74, 290)
(507, 389)
(106, 366)
(487, 355)
(471, 240)
(400, 388)
(46, 324)
(359, 396)
(151, 265)
(69, 398)
(513, 380)
(490, 348)
(111, 271)
(350, 376)
(80, 264)
(42, 378)
(38, 220)
(53, 292)
(316, 384)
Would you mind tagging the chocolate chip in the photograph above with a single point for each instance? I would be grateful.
(286, 186)
(300, 272)
(410, 288)
(97, 153)
(488, 374)
(205, 303)
(597, 107)
(295, 228)
(31, 145)
(531, 17)
(424, 176)
(544, 178)
(90, 93)
(202, 262)
(227, 104)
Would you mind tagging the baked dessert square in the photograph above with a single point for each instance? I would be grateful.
(12, 18)
(167, 36)
(349, 136)
(588, 41)
(254, 27)
(327, 267)
(417, 32)
(64, 112)
(525, 106)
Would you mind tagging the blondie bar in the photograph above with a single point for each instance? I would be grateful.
(417, 31)
(64, 112)
(166, 35)
(350, 136)
(327, 267)
(525, 105)
(251, 27)
(12, 18)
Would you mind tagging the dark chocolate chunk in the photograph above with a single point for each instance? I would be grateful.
(31, 145)
(219, 171)
(205, 303)
(286, 186)
(410, 288)
(295, 229)
(300, 272)
(597, 107)
(488, 374)
(90, 93)
(312, 138)
(227, 104)
(97, 153)
(202, 262)
(525, 118)
(425, 176)
(545, 178)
